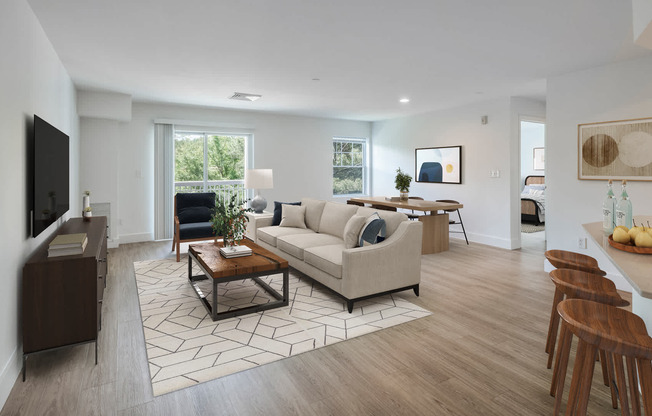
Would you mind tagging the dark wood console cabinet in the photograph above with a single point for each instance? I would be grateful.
(62, 296)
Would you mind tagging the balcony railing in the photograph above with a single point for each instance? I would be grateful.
(221, 188)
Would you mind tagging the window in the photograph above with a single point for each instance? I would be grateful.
(205, 162)
(349, 166)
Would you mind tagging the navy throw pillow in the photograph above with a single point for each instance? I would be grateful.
(278, 210)
(373, 231)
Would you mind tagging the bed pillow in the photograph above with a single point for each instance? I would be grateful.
(535, 187)
(276, 219)
(373, 230)
(293, 216)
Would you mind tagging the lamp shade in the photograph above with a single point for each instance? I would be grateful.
(259, 179)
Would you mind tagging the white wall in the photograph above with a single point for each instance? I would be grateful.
(532, 136)
(614, 92)
(32, 81)
(104, 105)
(486, 200)
(299, 149)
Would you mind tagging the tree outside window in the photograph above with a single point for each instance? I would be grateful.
(224, 158)
(349, 166)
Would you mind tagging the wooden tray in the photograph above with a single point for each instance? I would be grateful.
(630, 247)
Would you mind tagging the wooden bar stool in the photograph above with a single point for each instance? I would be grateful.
(576, 284)
(617, 332)
(562, 259)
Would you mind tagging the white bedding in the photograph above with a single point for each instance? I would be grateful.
(537, 194)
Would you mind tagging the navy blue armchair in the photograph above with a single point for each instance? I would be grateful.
(192, 218)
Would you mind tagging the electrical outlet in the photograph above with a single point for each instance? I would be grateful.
(581, 242)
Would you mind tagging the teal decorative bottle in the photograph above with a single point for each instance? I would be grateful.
(624, 208)
(608, 210)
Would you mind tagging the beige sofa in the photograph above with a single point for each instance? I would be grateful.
(319, 250)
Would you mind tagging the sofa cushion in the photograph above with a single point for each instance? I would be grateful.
(276, 219)
(352, 231)
(314, 209)
(297, 243)
(270, 234)
(326, 258)
(392, 219)
(334, 218)
(196, 230)
(373, 231)
(293, 216)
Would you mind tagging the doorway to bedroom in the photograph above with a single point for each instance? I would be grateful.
(532, 182)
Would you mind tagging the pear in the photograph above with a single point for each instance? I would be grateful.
(643, 240)
(634, 231)
(620, 235)
(622, 227)
(649, 231)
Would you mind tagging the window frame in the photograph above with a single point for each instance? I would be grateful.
(205, 133)
(365, 164)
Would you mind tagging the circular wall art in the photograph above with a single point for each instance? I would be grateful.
(615, 150)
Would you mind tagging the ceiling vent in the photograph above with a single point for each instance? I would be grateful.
(242, 96)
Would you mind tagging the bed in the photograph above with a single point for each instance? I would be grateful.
(533, 208)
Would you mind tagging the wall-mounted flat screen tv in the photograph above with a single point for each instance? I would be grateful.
(51, 175)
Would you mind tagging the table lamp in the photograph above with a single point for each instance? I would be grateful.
(259, 179)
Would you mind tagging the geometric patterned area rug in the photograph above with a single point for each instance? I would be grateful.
(531, 228)
(185, 347)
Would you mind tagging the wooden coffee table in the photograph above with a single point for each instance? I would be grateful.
(261, 263)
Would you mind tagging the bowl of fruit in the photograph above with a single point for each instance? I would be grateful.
(637, 239)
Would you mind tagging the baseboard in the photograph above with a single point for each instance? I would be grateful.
(8, 376)
(489, 240)
(135, 238)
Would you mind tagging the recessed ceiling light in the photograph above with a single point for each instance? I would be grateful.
(316, 79)
(243, 96)
(404, 100)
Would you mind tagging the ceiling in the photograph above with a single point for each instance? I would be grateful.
(349, 59)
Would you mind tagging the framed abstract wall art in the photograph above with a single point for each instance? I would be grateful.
(615, 150)
(438, 164)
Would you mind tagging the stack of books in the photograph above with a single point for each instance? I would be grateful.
(67, 245)
(235, 251)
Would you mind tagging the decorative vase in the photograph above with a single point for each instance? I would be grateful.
(404, 195)
(87, 215)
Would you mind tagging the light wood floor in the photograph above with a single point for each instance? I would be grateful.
(479, 353)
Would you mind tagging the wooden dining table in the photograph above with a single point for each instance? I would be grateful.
(435, 223)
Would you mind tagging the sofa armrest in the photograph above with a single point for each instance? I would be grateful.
(255, 222)
(391, 264)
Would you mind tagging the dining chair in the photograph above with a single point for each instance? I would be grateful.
(459, 218)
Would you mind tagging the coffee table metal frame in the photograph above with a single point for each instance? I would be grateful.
(281, 299)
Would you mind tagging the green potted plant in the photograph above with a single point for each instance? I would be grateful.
(88, 213)
(402, 182)
(230, 219)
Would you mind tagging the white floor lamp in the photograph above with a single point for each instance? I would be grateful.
(259, 179)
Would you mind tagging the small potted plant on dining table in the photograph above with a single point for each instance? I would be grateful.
(402, 183)
(230, 219)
